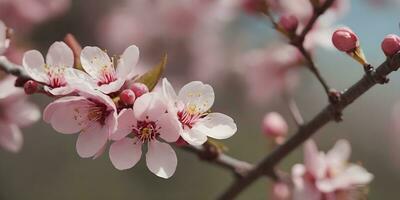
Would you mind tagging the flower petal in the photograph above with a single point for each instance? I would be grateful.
(94, 61)
(66, 114)
(22, 112)
(10, 137)
(126, 120)
(60, 56)
(149, 105)
(216, 125)
(198, 96)
(314, 160)
(125, 153)
(169, 126)
(339, 154)
(169, 92)
(127, 62)
(34, 65)
(161, 159)
(194, 137)
(91, 140)
(111, 87)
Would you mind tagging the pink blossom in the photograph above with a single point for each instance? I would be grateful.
(127, 96)
(280, 191)
(274, 126)
(289, 22)
(191, 107)
(147, 123)
(345, 39)
(93, 114)
(4, 41)
(15, 112)
(105, 74)
(52, 73)
(325, 175)
(391, 44)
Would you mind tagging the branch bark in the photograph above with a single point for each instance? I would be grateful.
(305, 132)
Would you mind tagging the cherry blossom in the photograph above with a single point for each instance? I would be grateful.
(274, 126)
(15, 112)
(191, 107)
(103, 73)
(52, 73)
(93, 114)
(327, 175)
(4, 42)
(147, 123)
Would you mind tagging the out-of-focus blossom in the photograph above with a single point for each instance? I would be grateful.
(328, 176)
(4, 41)
(15, 112)
(391, 44)
(105, 74)
(280, 191)
(147, 123)
(289, 23)
(191, 107)
(52, 73)
(23, 14)
(93, 114)
(274, 126)
(269, 72)
(345, 40)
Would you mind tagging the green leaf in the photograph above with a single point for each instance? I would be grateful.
(151, 78)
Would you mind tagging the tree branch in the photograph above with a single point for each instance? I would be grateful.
(11, 68)
(305, 132)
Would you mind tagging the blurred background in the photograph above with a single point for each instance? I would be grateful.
(218, 42)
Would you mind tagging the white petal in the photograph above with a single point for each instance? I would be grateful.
(60, 56)
(127, 62)
(91, 140)
(339, 154)
(94, 60)
(126, 120)
(33, 63)
(169, 92)
(149, 105)
(161, 159)
(314, 160)
(79, 79)
(169, 126)
(216, 125)
(111, 87)
(198, 96)
(10, 137)
(124, 154)
(59, 91)
(194, 137)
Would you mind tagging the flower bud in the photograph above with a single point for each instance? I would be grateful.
(139, 89)
(255, 6)
(127, 97)
(274, 126)
(30, 87)
(289, 23)
(280, 191)
(345, 40)
(391, 44)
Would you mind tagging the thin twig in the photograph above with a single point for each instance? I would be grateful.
(294, 109)
(305, 132)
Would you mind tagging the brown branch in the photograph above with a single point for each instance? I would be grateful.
(305, 132)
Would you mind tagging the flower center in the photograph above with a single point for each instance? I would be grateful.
(188, 117)
(146, 130)
(56, 76)
(96, 112)
(107, 75)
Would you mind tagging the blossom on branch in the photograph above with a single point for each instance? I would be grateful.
(191, 107)
(15, 112)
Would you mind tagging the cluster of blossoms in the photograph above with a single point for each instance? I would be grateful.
(105, 105)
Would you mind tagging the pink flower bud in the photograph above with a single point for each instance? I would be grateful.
(127, 97)
(139, 89)
(345, 40)
(280, 191)
(391, 44)
(30, 87)
(289, 22)
(274, 125)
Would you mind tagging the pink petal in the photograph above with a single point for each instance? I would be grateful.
(339, 154)
(66, 115)
(124, 154)
(161, 159)
(60, 56)
(197, 94)
(314, 160)
(22, 112)
(7, 88)
(149, 105)
(170, 127)
(216, 125)
(169, 92)
(91, 140)
(33, 63)
(127, 62)
(126, 120)
(59, 90)
(94, 60)
(10, 137)
(111, 87)
(194, 137)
